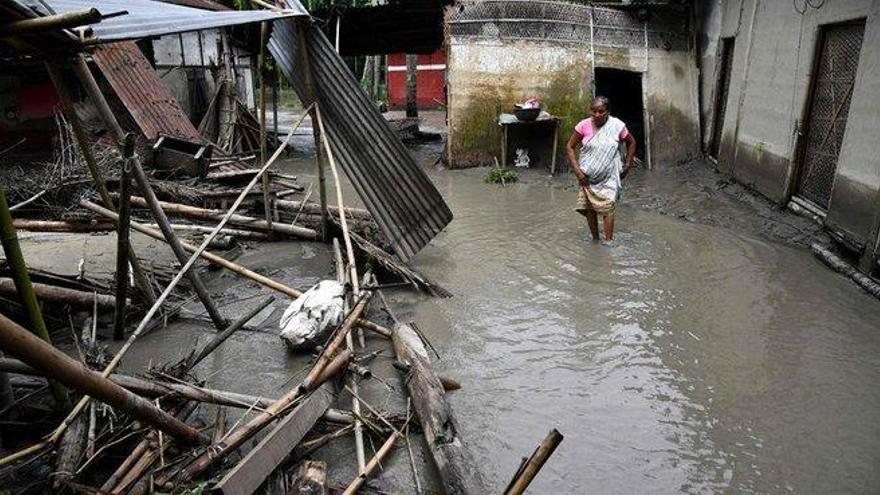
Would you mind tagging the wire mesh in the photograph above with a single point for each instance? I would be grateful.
(565, 22)
(832, 92)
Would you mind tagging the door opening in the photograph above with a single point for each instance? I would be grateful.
(624, 89)
(834, 74)
(721, 91)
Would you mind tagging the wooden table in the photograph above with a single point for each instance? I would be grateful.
(508, 120)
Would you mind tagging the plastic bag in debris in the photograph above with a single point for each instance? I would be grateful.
(312, 314)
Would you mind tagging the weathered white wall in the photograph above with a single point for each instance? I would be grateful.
(199, 50)
(774, 54)
(486, 77)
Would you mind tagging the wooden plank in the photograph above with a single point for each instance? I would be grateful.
(252, 471)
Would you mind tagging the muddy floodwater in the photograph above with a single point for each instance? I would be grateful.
(705, 351)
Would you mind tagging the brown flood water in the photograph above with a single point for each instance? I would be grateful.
(687, 357)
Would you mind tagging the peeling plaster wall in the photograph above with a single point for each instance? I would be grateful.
(489, 72)
(773, 58)
(486, 78)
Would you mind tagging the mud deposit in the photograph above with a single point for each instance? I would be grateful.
(705, 351)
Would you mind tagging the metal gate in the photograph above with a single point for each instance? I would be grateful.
(834, 76)
(721, 92)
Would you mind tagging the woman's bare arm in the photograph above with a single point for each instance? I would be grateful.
(630, 154)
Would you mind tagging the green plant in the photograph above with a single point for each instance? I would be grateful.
(498, 175)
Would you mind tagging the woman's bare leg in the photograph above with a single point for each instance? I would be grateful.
(608, 226)
(593, 223)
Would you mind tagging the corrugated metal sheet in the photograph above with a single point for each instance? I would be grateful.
(152, 18)
(398, 193)
(145, 96)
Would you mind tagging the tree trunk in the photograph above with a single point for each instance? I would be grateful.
(412, 108)
(456, 466)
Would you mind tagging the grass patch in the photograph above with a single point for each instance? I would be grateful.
(501, 176)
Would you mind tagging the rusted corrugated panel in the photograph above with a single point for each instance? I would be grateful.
(401, 197)
(145, 96)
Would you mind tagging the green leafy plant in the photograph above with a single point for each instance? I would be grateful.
(498, 175)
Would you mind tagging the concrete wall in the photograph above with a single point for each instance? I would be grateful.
(496, 65)
(485, 78)
(773, 58)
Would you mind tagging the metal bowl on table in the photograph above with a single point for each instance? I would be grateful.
(526, 114)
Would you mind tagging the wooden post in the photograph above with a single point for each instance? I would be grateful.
(140, 278)
(23, 286)
(302, 31)
(91, 86)
(122, 241)
(55, 364)
(457, 468)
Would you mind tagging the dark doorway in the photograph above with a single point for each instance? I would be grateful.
(624, 89)
(721, 91)
(837, 59)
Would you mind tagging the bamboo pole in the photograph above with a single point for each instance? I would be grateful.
(237, 437)
(373, 464)
(29, 225)
(51, 293)
(37, 25)
(195, 212)
(94, 92)
(349, 250)
(530, 468)
(140, 277)
(350, 378)
(267, 203)
(55, 364)
(56, 434)
(195, 359)
(356, 213)
(122, 241)
(229, 265)
(302, 31)
(24, 288)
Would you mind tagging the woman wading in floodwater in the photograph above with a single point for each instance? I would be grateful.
(599, 169)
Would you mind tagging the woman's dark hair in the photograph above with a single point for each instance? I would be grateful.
(603, 100)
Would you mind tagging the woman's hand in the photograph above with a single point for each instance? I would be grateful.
(583, 180)
(626, 168)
